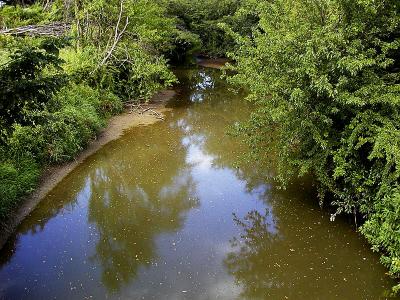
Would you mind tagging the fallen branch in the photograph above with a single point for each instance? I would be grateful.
(135, 106)
(157, 114)
(141, 110)
(55, 29)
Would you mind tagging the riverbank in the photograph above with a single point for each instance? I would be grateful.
(169, 201)
(214, 63)
(55, 174)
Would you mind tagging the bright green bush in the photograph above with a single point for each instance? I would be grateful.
(325, 78)
(79, 63)
(382, 230)
(140, 78)
(16, 180)
(74, 117)
(14, 16)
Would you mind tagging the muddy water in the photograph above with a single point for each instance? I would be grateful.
(166, 212)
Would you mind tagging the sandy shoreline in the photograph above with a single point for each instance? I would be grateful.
(214, 63)
(115, 129)
(55, 174)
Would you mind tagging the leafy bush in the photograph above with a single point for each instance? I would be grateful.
(70, 121)
(141, 76)
(79, 63)
(24, 84)
(16, 180)
(382, 230)
(325, 77)
(14, 16)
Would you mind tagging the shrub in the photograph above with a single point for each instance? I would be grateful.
(382, 229)
(24, 84)
(16, 180)
(325, 78)
(70, 121)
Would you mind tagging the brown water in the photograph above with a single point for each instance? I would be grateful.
(166, 213)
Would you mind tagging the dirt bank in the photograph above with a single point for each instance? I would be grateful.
(148, 114)
(215, 63)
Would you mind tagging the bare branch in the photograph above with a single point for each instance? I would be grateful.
(117, 36)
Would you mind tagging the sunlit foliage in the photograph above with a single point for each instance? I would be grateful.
(326, 80)
(57, 93)
(324, 76)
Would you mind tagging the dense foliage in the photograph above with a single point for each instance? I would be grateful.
(325, 77)
(44, 117)
(25, 73)
(57, 93)
(206, 20)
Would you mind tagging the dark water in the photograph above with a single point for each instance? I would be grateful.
(166, 213)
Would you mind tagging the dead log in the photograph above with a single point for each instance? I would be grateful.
(55, 29)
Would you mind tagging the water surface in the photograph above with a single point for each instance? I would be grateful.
(166, 212)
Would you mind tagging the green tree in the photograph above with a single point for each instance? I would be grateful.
(24, 84)
(204, 18)
(325, 78)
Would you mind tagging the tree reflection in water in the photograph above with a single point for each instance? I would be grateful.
(128, 218)
(134, 201)
(128, 203)
(247, 263)
(104, 226)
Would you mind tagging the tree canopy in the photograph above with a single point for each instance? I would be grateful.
(324, 77)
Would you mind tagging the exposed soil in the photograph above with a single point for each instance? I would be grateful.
(116, 127)
(215, 63)
(55, 174)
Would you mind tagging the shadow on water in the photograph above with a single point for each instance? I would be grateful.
(292, 250)
(128, 203)
(166, 212)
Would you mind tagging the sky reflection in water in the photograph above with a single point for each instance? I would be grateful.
(164, 213)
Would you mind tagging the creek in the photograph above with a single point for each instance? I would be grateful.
(168, 211)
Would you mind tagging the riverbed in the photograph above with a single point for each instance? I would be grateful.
(172, 211)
